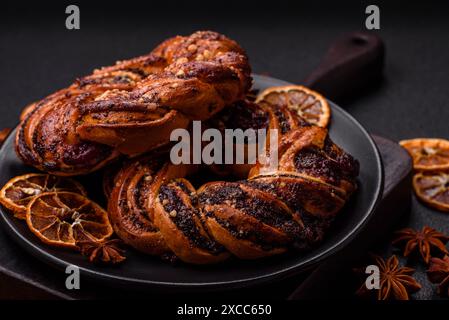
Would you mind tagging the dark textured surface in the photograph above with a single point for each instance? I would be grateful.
(38, 55)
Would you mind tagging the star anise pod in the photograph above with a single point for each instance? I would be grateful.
(424, 240)
(106, 251)
(439, 273)
(395, 282)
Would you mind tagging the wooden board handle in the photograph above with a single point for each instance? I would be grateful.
(353, 63)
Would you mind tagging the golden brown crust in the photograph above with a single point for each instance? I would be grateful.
(272, 211)
(249, 222)
(243, 249)
(179, 221)
(133, 106)
(171, 204)
(126, 207)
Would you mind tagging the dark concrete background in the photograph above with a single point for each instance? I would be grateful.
(38, 55)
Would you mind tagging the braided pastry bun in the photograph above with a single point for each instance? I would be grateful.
(133, 106)
(268, 213)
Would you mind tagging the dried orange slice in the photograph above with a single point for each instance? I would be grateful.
(19, 191)
(428, 154)
(309, 104)
(64, 218)
(433, 189)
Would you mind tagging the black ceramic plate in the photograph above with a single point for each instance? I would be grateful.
(146, 272)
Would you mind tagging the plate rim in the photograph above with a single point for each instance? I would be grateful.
(314, 259)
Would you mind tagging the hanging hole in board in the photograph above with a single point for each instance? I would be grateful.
(359, 40)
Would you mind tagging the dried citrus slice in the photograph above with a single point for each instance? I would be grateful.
(428, 154)
(433, 189)
(64, 218)
(19, 191)
(309, 104)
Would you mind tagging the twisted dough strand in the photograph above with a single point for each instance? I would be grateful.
(133, 106)
(264, 215)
